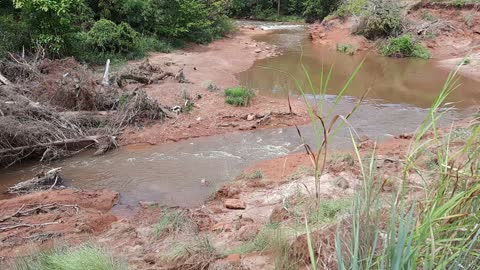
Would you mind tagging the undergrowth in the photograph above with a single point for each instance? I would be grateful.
(239, 96)
(81, 258)
(404, 46)
(433, 226)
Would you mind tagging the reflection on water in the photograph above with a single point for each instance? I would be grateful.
(397, 81)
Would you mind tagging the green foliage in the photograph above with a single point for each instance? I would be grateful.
(437, 229)
(12, 35)
(84, 257)
(174, 221)
(106, 36)
(95, 30)
(351, 7)
(345, 48)
(319, 9)
(428, 16)
(238, 96)
(382, 18)
(404, 46)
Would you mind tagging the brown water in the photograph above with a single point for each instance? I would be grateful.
(396, 81)
(171, 173)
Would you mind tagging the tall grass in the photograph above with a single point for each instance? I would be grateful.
(81, 258)
(436, 228)
(324, 122)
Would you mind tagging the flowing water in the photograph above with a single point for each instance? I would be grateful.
(172, 173)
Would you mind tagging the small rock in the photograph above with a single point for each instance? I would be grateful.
(322, 35)
(199, 119)
(247, 233)
(149, 258)
(250, 117)
(148, 204)
(369, 144)
(234, 259)
(235, 204)
(258, 51)
(342, 183)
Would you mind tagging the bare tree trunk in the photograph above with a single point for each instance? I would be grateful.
(278, 7)
(105, 75)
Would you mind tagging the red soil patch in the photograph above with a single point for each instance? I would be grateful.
(36, 219)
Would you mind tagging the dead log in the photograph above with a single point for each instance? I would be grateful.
(4, 80)
(67, 143)
(144, 79)
(47, 180)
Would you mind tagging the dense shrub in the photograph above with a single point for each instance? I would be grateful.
(319, 9)
(238, 96)
(106, 36)
(125, 28)
(383, 18)
(404, 46)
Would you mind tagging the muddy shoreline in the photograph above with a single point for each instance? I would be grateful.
(210, 69)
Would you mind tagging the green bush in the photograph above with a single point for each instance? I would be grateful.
(382, 18)
(121, 28)
(404, 46)
(85, 257)
(238, 96)
(106, 36)
(345, 48)
(319, 9)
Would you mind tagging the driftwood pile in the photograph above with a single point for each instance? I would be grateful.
(42, 181)
(65, 110)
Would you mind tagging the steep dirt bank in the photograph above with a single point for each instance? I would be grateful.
(449, 32)
(210, 69)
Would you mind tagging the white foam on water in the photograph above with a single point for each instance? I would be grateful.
(214, 155)
(281, 27)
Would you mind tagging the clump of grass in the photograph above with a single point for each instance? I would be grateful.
(256, 175)
(466, 61)
(81, 258)
(196, 253)
(404, 46)
(300, 172)
(174, 221)
(239, 96)
(428, 16)
(210, 86)
(345, 48)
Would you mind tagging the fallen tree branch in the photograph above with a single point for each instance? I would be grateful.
(11, 216)
(2, 229)
(4, 80)
(36, 183)
(66, 143)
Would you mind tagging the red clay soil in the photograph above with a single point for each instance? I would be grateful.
(37, 219)
(337, 31)
(216, 63)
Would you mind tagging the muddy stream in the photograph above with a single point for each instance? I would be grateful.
(172, 173)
